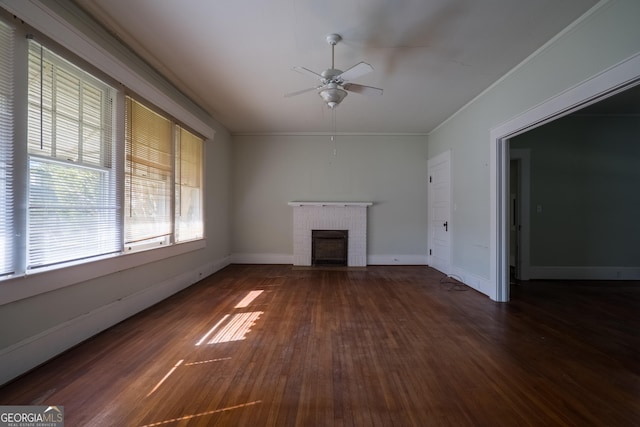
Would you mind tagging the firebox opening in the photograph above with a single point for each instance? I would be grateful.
(329, 247)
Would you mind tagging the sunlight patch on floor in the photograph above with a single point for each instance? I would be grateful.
(249, 299)
(207, 361)
(165, 377)
(237, 328)
(202, 414)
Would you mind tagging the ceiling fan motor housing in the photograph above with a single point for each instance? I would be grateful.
(329, 76)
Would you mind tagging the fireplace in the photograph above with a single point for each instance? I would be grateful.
(331, 216)
(329, 247)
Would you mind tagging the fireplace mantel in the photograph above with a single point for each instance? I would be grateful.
(351, 216)
(342, 204)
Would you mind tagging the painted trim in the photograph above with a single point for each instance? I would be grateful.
(261, 258)
(46, 20)
(328, 134)
(480, 284)
(336, 204)
(613, 80)
(270, 258)
(33, 351)
(571, 27)
(406, 259)
(584, 273)
(31, 284)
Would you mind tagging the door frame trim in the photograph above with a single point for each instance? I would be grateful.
(603, 85)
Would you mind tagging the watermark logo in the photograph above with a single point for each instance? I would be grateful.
(31, 416)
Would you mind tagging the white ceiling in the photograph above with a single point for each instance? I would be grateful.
(431, 57)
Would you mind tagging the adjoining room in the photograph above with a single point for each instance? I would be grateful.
(335, 213)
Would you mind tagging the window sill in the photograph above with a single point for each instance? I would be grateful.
(32, 284)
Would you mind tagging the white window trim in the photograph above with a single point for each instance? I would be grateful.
(54, 26)
(32, 284)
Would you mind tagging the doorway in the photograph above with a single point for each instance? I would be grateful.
(439, 214)
(615, 80)
(519, 213)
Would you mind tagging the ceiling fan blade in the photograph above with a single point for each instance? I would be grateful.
(356, 71)
(363, 90)
(308, 72)
(289, 95)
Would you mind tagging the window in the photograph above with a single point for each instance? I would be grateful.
(163, 180)
(86, 172)
(6, 149)
(72, 209)
(188, 186)
(148, 177)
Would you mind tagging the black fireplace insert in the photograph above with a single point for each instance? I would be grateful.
(329, 247)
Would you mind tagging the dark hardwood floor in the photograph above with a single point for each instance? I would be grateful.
(379, 346)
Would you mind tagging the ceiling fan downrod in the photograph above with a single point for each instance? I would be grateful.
(333, 40)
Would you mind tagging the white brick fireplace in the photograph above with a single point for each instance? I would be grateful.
(351, 216)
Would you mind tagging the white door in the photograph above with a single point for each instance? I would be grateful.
(439, 199)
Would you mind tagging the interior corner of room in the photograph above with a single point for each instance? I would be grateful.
(533, 176)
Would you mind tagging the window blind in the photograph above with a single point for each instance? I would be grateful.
(148, 176)
(6, 150)
(72, 203)
(189, 224)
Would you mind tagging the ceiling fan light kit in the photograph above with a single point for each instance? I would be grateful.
(335, 83)
(333, 95)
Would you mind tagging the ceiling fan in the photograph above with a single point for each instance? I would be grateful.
(336, 83)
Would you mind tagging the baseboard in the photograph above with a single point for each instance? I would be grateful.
(33, 351)
(584, 273)
(396, 260)
(480, 284)
(261, 258)
(270, 258)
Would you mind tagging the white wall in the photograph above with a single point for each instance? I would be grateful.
(601, 39)
(268, 171)
(89, 298)
(388, 170)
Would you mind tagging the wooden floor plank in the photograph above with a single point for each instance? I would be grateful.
(387, 346)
